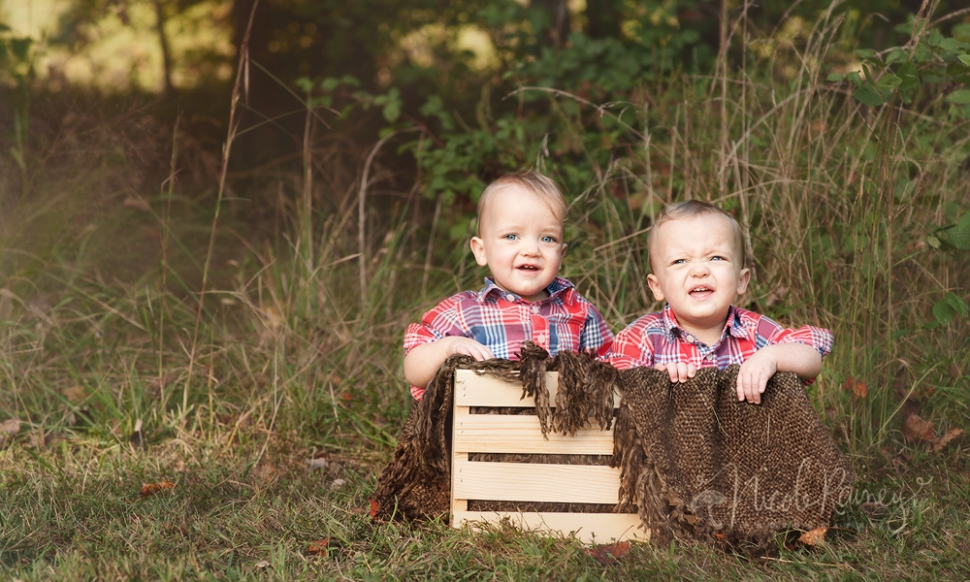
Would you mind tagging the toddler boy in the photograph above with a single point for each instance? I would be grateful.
(697, 258)
(521, 219)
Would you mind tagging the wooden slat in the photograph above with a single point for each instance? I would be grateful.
(534, 482)
(588, 527)
(474, 390)
(491, 433)
(457, 505)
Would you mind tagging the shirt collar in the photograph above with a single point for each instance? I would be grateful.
(557, 287)
(733, 326)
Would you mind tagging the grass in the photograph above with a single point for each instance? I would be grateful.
(293, 351)
(78, 515)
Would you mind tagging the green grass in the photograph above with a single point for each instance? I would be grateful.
(288, 357)
(252, 508)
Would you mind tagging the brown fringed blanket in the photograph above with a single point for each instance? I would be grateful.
(694, 461)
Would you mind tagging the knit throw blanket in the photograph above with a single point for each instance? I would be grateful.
(694, 462)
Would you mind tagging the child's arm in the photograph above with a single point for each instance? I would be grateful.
(755, 372)
(423, 361)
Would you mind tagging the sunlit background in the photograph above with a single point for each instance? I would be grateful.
(121, 48)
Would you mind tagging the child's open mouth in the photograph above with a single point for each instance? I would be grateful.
(701, 292)
(527, 268)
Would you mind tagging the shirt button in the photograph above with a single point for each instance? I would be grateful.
(690, 338)
(510, 297)
(709, 357)
(542, 338)
(535, 309)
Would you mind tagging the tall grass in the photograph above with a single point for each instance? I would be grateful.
(836, 198)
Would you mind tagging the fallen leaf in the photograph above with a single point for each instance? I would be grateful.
(74, 394)
(153, 488)
(857, 387)
(11, 426)
(917, 429)
(338, 483)
(941, 442)
(262, 564)
(813, 537)
(374, 508)
(608, 555)
(318, 548)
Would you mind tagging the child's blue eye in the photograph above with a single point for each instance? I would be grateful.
(717, 258)
(511, 237)
(548, 239)
(679, 261)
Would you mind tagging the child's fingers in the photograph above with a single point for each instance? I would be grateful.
(475, 350)
(678, 372)
(751, 384)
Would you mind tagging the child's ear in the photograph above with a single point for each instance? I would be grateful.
(564, 247)
(743, 280)
(654, 285)
(478, 249)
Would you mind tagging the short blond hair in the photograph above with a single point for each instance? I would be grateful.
(543, 187)
(690, 209)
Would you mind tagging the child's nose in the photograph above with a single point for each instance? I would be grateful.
(530, 247)
(699, 268)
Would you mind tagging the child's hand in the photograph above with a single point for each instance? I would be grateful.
(679, 372)
(467, 346)
(754, 375)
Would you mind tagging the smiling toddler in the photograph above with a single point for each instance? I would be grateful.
(697, 256)
(521, 219)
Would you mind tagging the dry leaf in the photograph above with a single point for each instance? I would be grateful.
(608, 555)
(917, 429)
(318, 548)
(74, 394)
(262, 564)
(857, 387)
(374, 508)
(153, 488)
(813, 537)
(11, 426)
(941, 442)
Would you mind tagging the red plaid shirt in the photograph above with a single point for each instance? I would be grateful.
(503, 322)
(657, 338)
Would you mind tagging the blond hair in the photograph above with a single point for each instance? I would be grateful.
(531, 180)
(690, 209)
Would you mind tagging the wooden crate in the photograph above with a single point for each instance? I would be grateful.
(491, 481)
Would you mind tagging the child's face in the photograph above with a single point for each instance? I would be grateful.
(698, 270)
(521, 242)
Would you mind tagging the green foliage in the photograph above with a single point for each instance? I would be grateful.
(903, 72)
